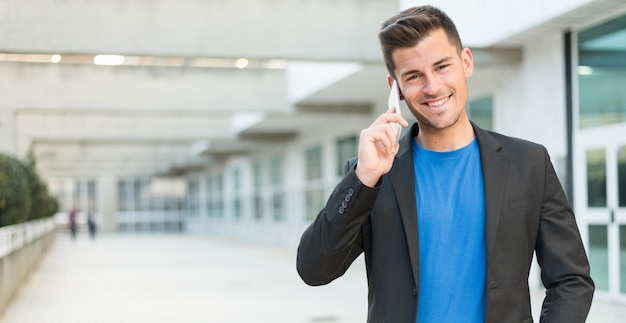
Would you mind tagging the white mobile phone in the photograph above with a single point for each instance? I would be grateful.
(394, 101)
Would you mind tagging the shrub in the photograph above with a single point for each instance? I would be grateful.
(15, 199)
(42, 204)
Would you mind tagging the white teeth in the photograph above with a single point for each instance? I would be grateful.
(438, 103)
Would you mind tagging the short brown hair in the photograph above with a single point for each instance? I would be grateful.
(410, 26)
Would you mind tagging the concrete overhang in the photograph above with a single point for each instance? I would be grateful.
(576, 17)
(282, 29)
(356, 92)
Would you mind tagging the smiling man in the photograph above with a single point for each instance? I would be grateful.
(449, 215)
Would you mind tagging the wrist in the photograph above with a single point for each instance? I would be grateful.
(368, 179)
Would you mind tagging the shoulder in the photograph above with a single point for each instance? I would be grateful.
(514, 142)
(517, 147)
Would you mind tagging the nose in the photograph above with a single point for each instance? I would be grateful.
(432, 85)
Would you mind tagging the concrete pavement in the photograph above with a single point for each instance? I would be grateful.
(186, 278)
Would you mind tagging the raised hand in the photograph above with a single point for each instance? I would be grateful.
(378, 146)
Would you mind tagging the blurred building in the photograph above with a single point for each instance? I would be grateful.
(235, 118)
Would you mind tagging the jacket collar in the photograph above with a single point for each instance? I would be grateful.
(402, 176)
(495, 165)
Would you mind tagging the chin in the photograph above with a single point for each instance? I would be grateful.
(440, 124)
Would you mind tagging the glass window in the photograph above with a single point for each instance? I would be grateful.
(210, 192)
(77, 195)
(480, 111)
(596, 178)
(92, 196)
(141, 200)
(314, 202)
(346, 149)
(602, 74)
(193, 198)
(313, 163)
(171, 203)
(122, 196)
(314, 193)
(150, 201)
(278, 206)
(621, 176)
(622, 258)
(276, 171)
(277, 190)
(237, 194)
(599, 255)
(257, 178)
(214, 196)
(157, 202)
(219, 196)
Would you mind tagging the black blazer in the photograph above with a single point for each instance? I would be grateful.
(526, 211)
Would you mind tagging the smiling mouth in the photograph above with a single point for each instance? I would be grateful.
(438, 103)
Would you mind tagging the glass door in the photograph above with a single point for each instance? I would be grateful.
(600, 152)
(600, 203)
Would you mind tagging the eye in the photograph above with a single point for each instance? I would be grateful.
(441, 67)
(413, 77)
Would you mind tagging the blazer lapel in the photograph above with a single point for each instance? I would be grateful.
(495, 166)
(402, 177)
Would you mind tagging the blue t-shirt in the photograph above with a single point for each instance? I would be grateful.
(451, 216)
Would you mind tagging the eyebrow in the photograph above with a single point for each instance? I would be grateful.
(441, 61)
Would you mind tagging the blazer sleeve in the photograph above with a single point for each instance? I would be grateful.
(334, 239)
(561, 256)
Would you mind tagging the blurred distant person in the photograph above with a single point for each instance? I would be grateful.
(449, 216)
(73, 223)
(91, 225)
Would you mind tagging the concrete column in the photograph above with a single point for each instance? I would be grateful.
(108, 198)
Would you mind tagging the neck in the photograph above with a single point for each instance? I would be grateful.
(448, 139)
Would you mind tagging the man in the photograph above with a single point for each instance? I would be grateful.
(448, 216)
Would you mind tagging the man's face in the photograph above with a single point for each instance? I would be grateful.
(432, 78)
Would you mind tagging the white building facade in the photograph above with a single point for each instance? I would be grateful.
(565, 91)
(251, 151)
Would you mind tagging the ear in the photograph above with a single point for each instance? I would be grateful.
(468, 62)
(390, 82)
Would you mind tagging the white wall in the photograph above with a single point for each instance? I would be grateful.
(531, 104)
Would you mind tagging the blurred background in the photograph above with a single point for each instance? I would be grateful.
(233, 119)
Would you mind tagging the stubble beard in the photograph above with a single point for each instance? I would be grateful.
(431, 124)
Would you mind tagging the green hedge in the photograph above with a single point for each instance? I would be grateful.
(23, 195)
(42, 204)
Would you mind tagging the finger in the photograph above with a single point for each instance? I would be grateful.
(389, 140)
(402, 121)
(388, 117)
(378, 136)
(398, 118)
(383, 134)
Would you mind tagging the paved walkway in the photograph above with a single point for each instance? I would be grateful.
(191, 279)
